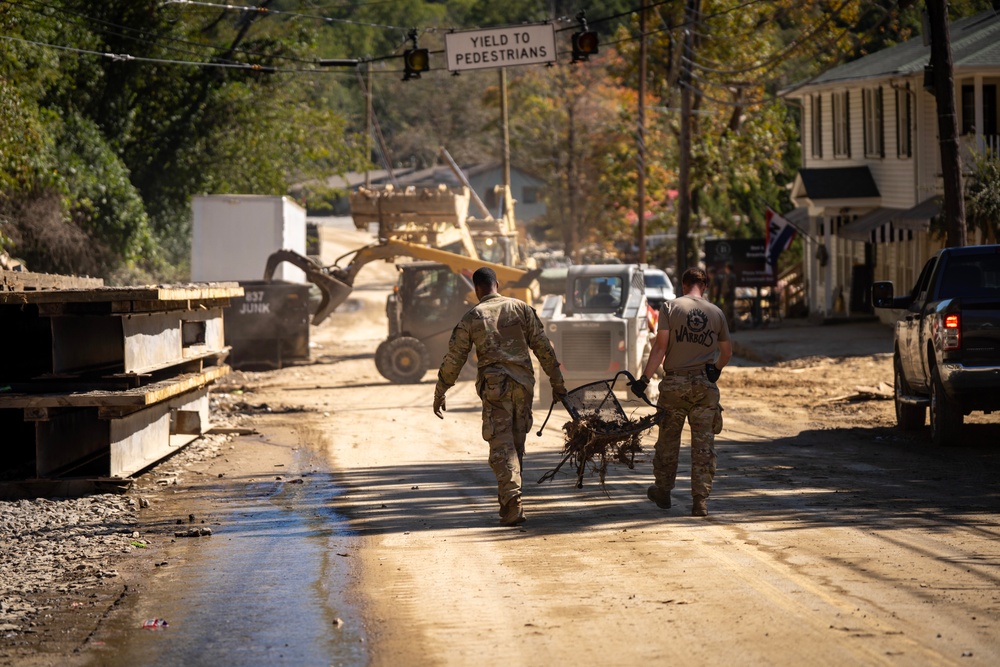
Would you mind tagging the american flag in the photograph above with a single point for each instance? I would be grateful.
(779, 234)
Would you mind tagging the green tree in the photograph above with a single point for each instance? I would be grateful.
(982, 196)
(115, 147)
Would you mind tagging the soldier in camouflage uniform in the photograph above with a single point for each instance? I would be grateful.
(502, 330)
(692, 341)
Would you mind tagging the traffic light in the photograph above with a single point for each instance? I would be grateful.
(415, 61)
(584, 45)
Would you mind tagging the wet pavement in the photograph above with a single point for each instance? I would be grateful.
(267, 588)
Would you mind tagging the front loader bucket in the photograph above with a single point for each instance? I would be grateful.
(335, 292)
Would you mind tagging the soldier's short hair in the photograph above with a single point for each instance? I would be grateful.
(695, 276)
(484, 277)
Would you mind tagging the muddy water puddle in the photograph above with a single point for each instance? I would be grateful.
(269, 587)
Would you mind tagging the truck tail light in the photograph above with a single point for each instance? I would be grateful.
(952, 332)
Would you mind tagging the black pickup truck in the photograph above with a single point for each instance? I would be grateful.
(947, 347)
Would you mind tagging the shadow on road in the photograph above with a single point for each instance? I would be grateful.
(819, 478)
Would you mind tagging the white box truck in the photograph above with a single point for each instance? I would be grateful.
(233, 235)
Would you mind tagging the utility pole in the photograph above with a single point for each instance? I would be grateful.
(505, 129)
(368, 122)
(641, 136)
(574, 231)
(692, 8)
(944, 92)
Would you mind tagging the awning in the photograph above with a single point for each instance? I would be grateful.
(837, 183)
(919, 217)
(862, 228)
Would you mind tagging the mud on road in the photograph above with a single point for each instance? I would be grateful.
(832, 537)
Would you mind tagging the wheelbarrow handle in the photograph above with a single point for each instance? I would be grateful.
(552, 405)
(631, 381)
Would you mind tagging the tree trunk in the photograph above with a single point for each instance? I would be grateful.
(692, 8)
(944, 92)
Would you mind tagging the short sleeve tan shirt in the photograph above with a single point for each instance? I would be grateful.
(696, 326)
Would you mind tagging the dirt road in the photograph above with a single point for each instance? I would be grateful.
(832, 538)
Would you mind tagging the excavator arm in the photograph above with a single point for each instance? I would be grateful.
(336, 283)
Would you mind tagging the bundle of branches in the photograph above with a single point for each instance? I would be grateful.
(600, 431)
(594, 442)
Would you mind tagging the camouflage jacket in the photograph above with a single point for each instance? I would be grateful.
(502, 330)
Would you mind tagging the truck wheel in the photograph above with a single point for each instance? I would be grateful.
(406, 360)
(908, 417)
(946, 418)
(382, 358)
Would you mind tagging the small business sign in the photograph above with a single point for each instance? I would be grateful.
(501, 47)
(746, 256)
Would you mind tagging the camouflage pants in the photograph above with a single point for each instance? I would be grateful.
(506, 421)
(695, 399)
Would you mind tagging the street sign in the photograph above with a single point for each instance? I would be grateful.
(500, 47)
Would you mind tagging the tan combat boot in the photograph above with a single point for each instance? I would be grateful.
(513, 514)
(700, 506)
(659, 496)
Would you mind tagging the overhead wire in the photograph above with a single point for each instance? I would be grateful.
(774, 98)
(793, 46)
(143, 35)
(266, 10)
(770, 63)
(125, 57)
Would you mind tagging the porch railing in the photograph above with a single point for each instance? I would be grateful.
(973, 144)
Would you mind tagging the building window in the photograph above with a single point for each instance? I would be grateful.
(989, 109)
(816, 135)
(904, 147)
(840, 103)
(871, 106)
(490, 198)
(529, 195)
(968, 109)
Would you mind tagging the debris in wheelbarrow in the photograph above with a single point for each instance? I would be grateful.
(600, 431)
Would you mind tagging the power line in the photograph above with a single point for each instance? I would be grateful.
(776, 58)
(125, 57)
(142, 36)
(265, 10)
(766, 99)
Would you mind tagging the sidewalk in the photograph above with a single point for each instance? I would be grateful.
(797, 338)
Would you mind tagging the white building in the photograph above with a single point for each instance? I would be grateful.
(871, 175)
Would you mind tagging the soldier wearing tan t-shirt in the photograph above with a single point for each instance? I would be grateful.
(692, 342)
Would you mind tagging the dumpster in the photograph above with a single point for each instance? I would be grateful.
(268, 327)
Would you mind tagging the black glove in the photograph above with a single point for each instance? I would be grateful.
(712, 373)
(639, 387)
(439, 406)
